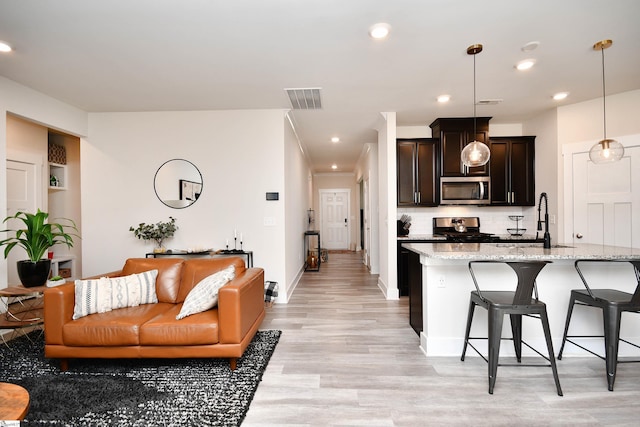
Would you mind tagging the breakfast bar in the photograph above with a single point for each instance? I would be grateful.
(446, 284)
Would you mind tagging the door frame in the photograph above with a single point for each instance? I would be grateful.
(320, 200)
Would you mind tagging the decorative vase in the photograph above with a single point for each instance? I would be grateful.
(33, 274)
(159, 250)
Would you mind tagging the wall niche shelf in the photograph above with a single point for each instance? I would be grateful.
(60, 173)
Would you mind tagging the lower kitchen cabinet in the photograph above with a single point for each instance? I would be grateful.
(414, 278)
(513, 171)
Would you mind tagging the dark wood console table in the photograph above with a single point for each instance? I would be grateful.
(248, 255)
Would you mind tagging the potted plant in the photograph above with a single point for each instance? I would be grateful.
(56, 281)
(36, 238)
(156, 232)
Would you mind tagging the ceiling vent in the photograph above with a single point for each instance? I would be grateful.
(489, 101)
(305, 98)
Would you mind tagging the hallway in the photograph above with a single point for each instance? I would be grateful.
(348, 357)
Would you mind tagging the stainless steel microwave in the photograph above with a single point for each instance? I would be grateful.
(465, 190)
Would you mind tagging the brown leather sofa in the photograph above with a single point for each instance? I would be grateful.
(151, 330)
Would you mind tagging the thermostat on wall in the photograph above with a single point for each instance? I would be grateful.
(273, 196)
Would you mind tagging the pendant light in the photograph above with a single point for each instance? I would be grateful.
(476, 153)
(607, 150)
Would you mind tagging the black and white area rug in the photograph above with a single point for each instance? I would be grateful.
(135, 392)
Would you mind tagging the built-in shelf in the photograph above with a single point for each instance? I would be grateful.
(60, 173)
(63, 266)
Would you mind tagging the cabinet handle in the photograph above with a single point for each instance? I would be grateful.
(418, 197)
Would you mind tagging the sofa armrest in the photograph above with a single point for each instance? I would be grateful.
(58, 310)
(240, 304)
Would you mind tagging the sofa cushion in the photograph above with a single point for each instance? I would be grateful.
(91, 296)
(164, 330)
(169, 273)
(205, 294)
(119, 327)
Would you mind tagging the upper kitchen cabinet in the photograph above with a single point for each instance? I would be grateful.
(417, 171)
(454, 134)
(513, 171)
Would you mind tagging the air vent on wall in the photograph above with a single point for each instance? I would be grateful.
(305, 98)
(489, 101)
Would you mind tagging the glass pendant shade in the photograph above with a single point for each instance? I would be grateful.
(606, 151)
(475, 154)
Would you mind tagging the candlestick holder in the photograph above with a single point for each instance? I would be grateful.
(240, 245)
(235, 242)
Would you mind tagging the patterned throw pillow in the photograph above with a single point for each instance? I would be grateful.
(133, 290)
(104, 294)
(92, 296)
(205, 294)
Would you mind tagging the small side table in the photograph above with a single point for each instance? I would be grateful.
(311, 263)
(14, 402)
(24, 308)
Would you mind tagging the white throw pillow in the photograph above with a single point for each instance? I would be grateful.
(104, 294)
(91, 296)
(205, 294)
(133, 290)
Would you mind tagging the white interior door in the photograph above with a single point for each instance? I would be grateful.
(24, 194)
(606, 200)
(334, 213)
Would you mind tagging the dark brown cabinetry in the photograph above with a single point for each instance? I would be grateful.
(513, 171)
(454, 135)
(417, 172)
(414, 276)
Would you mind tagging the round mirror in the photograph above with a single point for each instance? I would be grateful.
(178, 183)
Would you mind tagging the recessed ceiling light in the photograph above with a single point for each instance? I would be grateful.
(444, 98)
(379, 31)
(334, 166)
(530, 46)
(525, 64)
(335, 139)
(560, 96)
(4, 47)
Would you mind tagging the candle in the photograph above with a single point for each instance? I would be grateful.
(227, 242)
(241, 237)
(235, 233)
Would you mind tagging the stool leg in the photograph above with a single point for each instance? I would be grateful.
(516, 331)
(472, 306)
(572, 302)
(611, 339)
(495, 334)
(552, 360)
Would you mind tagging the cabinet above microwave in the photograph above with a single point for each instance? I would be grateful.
(454, 134)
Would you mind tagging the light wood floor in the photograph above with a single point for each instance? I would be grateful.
(347, 357)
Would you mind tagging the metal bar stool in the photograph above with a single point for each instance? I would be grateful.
(515, 304)
(613, 303)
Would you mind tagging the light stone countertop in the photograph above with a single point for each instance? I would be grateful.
(519, 251)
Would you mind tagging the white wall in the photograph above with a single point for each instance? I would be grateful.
(240, 155)
(39, 108)
(298, 181)
(388, 279)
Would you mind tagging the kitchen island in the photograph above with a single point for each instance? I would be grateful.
(446, 284)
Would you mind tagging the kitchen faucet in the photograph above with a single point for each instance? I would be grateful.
(547, 236)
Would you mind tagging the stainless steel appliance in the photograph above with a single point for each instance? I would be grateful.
(462, 229)
(465, 190)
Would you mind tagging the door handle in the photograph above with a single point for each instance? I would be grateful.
(579, 236)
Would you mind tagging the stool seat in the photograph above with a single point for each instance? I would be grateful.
(613, 303)
(516, 304)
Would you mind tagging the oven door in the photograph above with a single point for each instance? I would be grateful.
(465, 190)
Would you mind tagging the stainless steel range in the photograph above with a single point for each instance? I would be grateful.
(462, 229)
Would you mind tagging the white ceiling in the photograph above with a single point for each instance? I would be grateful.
(150, 55)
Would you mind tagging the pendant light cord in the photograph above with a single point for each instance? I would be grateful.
(604, 102)
(474, 97)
